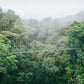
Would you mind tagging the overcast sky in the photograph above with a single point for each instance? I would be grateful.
(40, 9)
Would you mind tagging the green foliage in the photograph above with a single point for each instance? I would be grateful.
(58, 67)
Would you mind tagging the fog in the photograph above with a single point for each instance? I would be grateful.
(39, 9)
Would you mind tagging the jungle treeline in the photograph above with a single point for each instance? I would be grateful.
(57, 67)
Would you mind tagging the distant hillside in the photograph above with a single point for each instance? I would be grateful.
(71, 18)
(51, 25)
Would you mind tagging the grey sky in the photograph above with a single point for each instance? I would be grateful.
(43, 8)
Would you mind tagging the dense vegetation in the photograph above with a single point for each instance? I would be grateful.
(58, 67)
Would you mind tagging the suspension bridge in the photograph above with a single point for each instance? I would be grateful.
(37, 51)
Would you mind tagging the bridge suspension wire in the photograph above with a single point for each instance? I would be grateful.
(37, 51)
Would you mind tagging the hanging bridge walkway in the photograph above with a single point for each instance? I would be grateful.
(37, 51)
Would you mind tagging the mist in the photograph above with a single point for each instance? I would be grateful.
(39, 9)
(41, 41)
